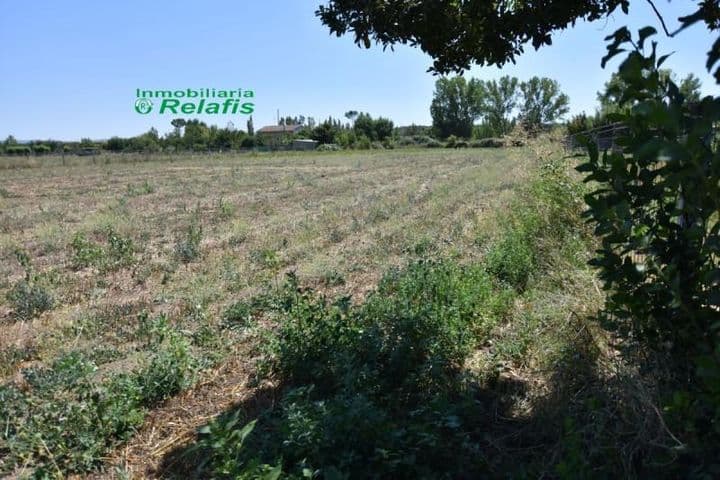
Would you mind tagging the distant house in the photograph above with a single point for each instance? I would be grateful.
(279, 133)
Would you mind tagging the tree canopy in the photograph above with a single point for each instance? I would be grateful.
(454, 107)
(543, 102)
(457, 34)
(460, 33)
(458, 102)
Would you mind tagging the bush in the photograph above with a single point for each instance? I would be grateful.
(366, 388)
(363, 143)
(29, 300)
(488, 143)
(170, 369)
(656, 209)
(86, 253)
(433, 144)
(545, 218)
(512, 260)
(248, 142)
(328, 147)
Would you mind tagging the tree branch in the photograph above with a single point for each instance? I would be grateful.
(662, 20)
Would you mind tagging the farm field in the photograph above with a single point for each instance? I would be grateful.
(337, 219)
(114, 269)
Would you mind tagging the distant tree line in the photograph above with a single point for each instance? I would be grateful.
(498, 104)
(484, 110)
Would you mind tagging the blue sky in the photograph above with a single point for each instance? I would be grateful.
(70, 69)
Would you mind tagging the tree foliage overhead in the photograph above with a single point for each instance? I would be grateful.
(610, 97)
(459, 33)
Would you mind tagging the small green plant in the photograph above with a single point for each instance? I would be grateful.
(266, 258)
(85, 253)
(64, 422)
(238, 315)
(29, 297)
(120, 250)
(512, 260)
(332, 278)
(353, 375)
(225, 209)
(118, 253)
(170, 370)
(144, 188)
(187, 247)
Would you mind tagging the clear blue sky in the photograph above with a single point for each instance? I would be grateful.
(70, 69)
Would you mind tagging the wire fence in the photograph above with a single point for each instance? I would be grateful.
(605, 137)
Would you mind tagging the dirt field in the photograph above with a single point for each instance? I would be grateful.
(189, 238)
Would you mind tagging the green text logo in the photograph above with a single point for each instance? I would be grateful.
(196, 101)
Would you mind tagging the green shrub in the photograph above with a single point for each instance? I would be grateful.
(545, 218)
(118, 253)
(488, 143)
(120, 250)
(144, 188)
(512, 260)
(169, 371)
(85, 253)
(28, 299)
(238, 315)
(656, 210)
(367, 388)
(66, 417)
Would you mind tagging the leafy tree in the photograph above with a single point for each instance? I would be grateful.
(690, 88)
(454, 107)
(250, 127)
(383, 128)
(542, 102)
(364, 125)
(351, 115)
(325, 132)
(178, 124)
(497, 101)
(373, 128)
(197, 135)
(116, 144)
(656, 211)
(10, 141)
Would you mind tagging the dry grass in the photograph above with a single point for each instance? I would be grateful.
(339, 220)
